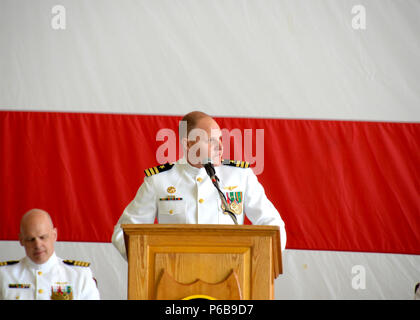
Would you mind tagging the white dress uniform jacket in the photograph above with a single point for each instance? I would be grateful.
(55, 279)
(182, 194)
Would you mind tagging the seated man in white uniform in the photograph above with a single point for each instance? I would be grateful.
(41, 275)
(183, 192)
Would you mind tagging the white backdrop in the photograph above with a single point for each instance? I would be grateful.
(282, 59)
(289, 59)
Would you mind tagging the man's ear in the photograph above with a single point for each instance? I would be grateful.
(55, 234)
(21, 239)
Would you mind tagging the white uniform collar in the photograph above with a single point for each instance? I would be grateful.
(52, 261)
(192, 171)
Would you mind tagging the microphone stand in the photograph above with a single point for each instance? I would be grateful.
(215, 180)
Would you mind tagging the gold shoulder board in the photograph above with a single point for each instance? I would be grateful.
(158, 169)
(8, 263)
(236, 163)
(76, 263)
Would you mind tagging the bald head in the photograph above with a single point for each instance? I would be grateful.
(35, 216)
(193, 118)
(37, 235)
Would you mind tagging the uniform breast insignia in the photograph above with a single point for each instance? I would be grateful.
(234, 200)
(170, 198)
(8, 263)
(19, 285)
(76, 263)
(158, 169)
(230, 188)
(236, 163)
(171, 190)
(59, 292)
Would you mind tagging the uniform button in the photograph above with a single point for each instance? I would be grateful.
(201, 200)
(199, 179)
(40, 273)
(40, 291)
(171, 211)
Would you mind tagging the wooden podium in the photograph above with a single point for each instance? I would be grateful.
(224, 262)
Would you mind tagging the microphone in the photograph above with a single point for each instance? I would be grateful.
(211, 172)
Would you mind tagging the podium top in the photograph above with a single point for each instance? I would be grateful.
(213, 229)
(146, 228)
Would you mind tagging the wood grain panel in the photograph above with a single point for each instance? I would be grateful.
(202, 254)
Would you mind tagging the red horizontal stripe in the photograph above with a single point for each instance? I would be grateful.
(339, 185)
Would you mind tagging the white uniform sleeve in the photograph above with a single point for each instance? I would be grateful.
(260, 210)
(141, 210)
(89, 289)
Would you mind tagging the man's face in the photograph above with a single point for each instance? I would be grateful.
(205, 142)
(38, 237)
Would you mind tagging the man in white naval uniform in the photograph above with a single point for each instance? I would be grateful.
(41, 275)
(183, 192)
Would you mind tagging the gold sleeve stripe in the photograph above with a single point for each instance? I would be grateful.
(236, 163)
(158, 169)
(151, 171)
(77, 263)
(10, 262)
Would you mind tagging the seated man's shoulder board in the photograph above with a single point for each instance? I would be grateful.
(8, 263)
(236, 163)
(158, 169)
(76, 263)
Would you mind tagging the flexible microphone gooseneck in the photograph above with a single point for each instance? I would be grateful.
(215, 180)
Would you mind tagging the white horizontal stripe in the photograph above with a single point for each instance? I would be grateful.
(307, 274)
(287, 59)
(311, 274)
